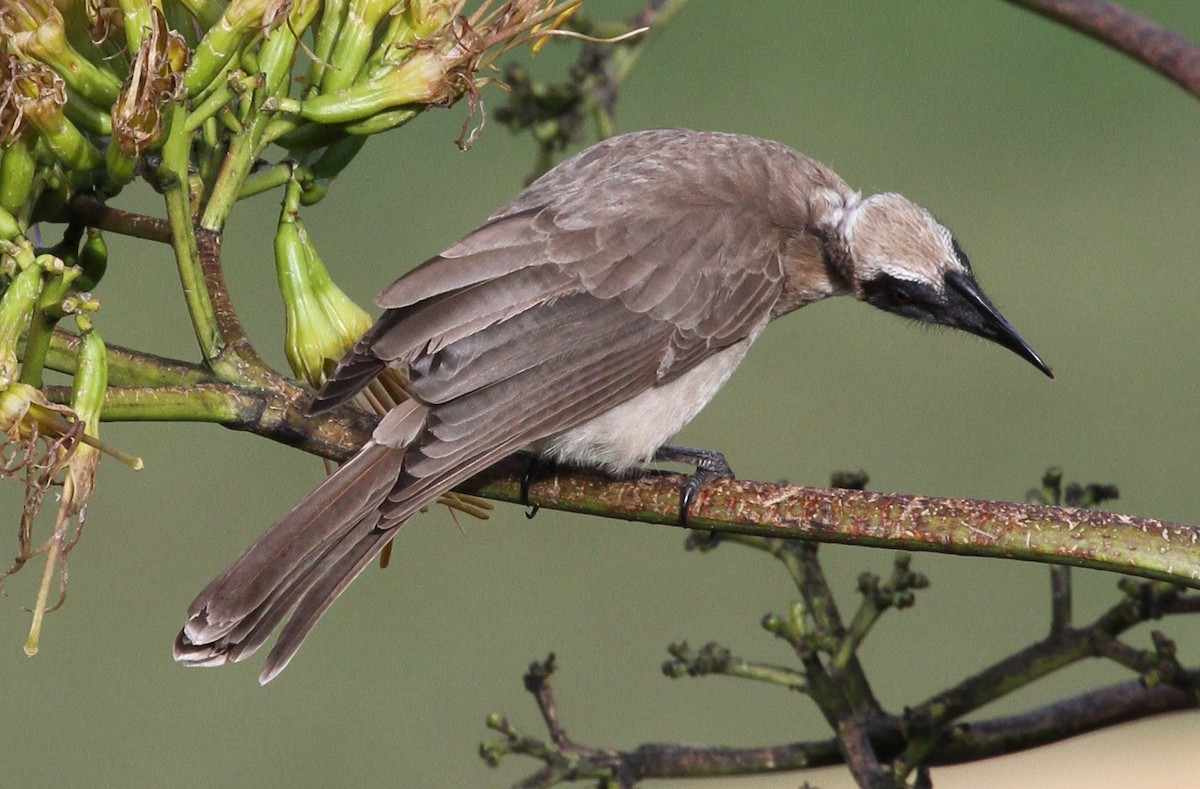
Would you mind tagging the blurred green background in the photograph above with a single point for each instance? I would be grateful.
(1068, 173)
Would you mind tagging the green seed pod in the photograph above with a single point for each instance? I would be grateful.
(15, 308)
(337, 155)
(241, 22)
(314, 193)
(354, 41)
(17, 169)
(87, 116)
(93, 260)
(9, 227)
(91, 381)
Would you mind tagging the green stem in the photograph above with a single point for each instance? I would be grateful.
(213, 402)
(219, 403)
(267, 179)
(126, 367)
(238, 162)
(765, 672)
(174, 172)
(864, 619)
(236, 85)
(41, 328)
(275, 61)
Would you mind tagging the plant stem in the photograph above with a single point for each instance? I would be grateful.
(174, 184)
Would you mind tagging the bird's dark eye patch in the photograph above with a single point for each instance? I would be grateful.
(902, 292)
(903, 297)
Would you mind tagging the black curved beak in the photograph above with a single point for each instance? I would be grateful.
(968, 309)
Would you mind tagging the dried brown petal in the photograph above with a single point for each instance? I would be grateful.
(155, 82)
(27, 89)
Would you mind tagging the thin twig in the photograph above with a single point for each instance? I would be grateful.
(1165, 51)
(957, 744)
(93, 213)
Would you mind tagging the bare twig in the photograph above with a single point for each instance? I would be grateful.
(1165, 51)
(93, 213)
(956, 744)
(1087, 712)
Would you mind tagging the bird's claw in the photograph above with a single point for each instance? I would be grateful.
(536, 466)
(710, 466)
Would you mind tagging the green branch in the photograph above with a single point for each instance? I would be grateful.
(173, 180)
(127, 367)
(1146, 547)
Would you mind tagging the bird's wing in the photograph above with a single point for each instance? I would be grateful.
(683, 226)
(708, 268)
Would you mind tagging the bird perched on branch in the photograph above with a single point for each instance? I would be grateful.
(590, 319)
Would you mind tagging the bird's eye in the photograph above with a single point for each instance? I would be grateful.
(901, 292)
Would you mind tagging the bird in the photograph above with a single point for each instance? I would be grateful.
(588, 320)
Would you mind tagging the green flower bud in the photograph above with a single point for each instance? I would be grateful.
(420, 19)
(241, 22)
(16, 307)
(17, 170)
(9, 227)
(93, 260)
(90, 382)
(322, 321)
(277, 53)
(425, 78)
(79, 481)
(354, 42)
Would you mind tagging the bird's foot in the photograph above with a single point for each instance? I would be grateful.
(537, 466)
(710, 466)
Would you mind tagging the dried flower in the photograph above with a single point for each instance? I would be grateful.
(155, 82)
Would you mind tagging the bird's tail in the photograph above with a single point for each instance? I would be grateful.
(306, 558)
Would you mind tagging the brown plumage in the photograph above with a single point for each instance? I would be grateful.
(590, 319)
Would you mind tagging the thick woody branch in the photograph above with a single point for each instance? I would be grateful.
(1164, 51)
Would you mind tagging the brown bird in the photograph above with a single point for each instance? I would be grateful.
(590, 319)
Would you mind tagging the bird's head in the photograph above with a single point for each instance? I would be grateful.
(900, 259)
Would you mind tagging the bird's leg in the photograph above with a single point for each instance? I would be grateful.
(710, 465)
(537, 466)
